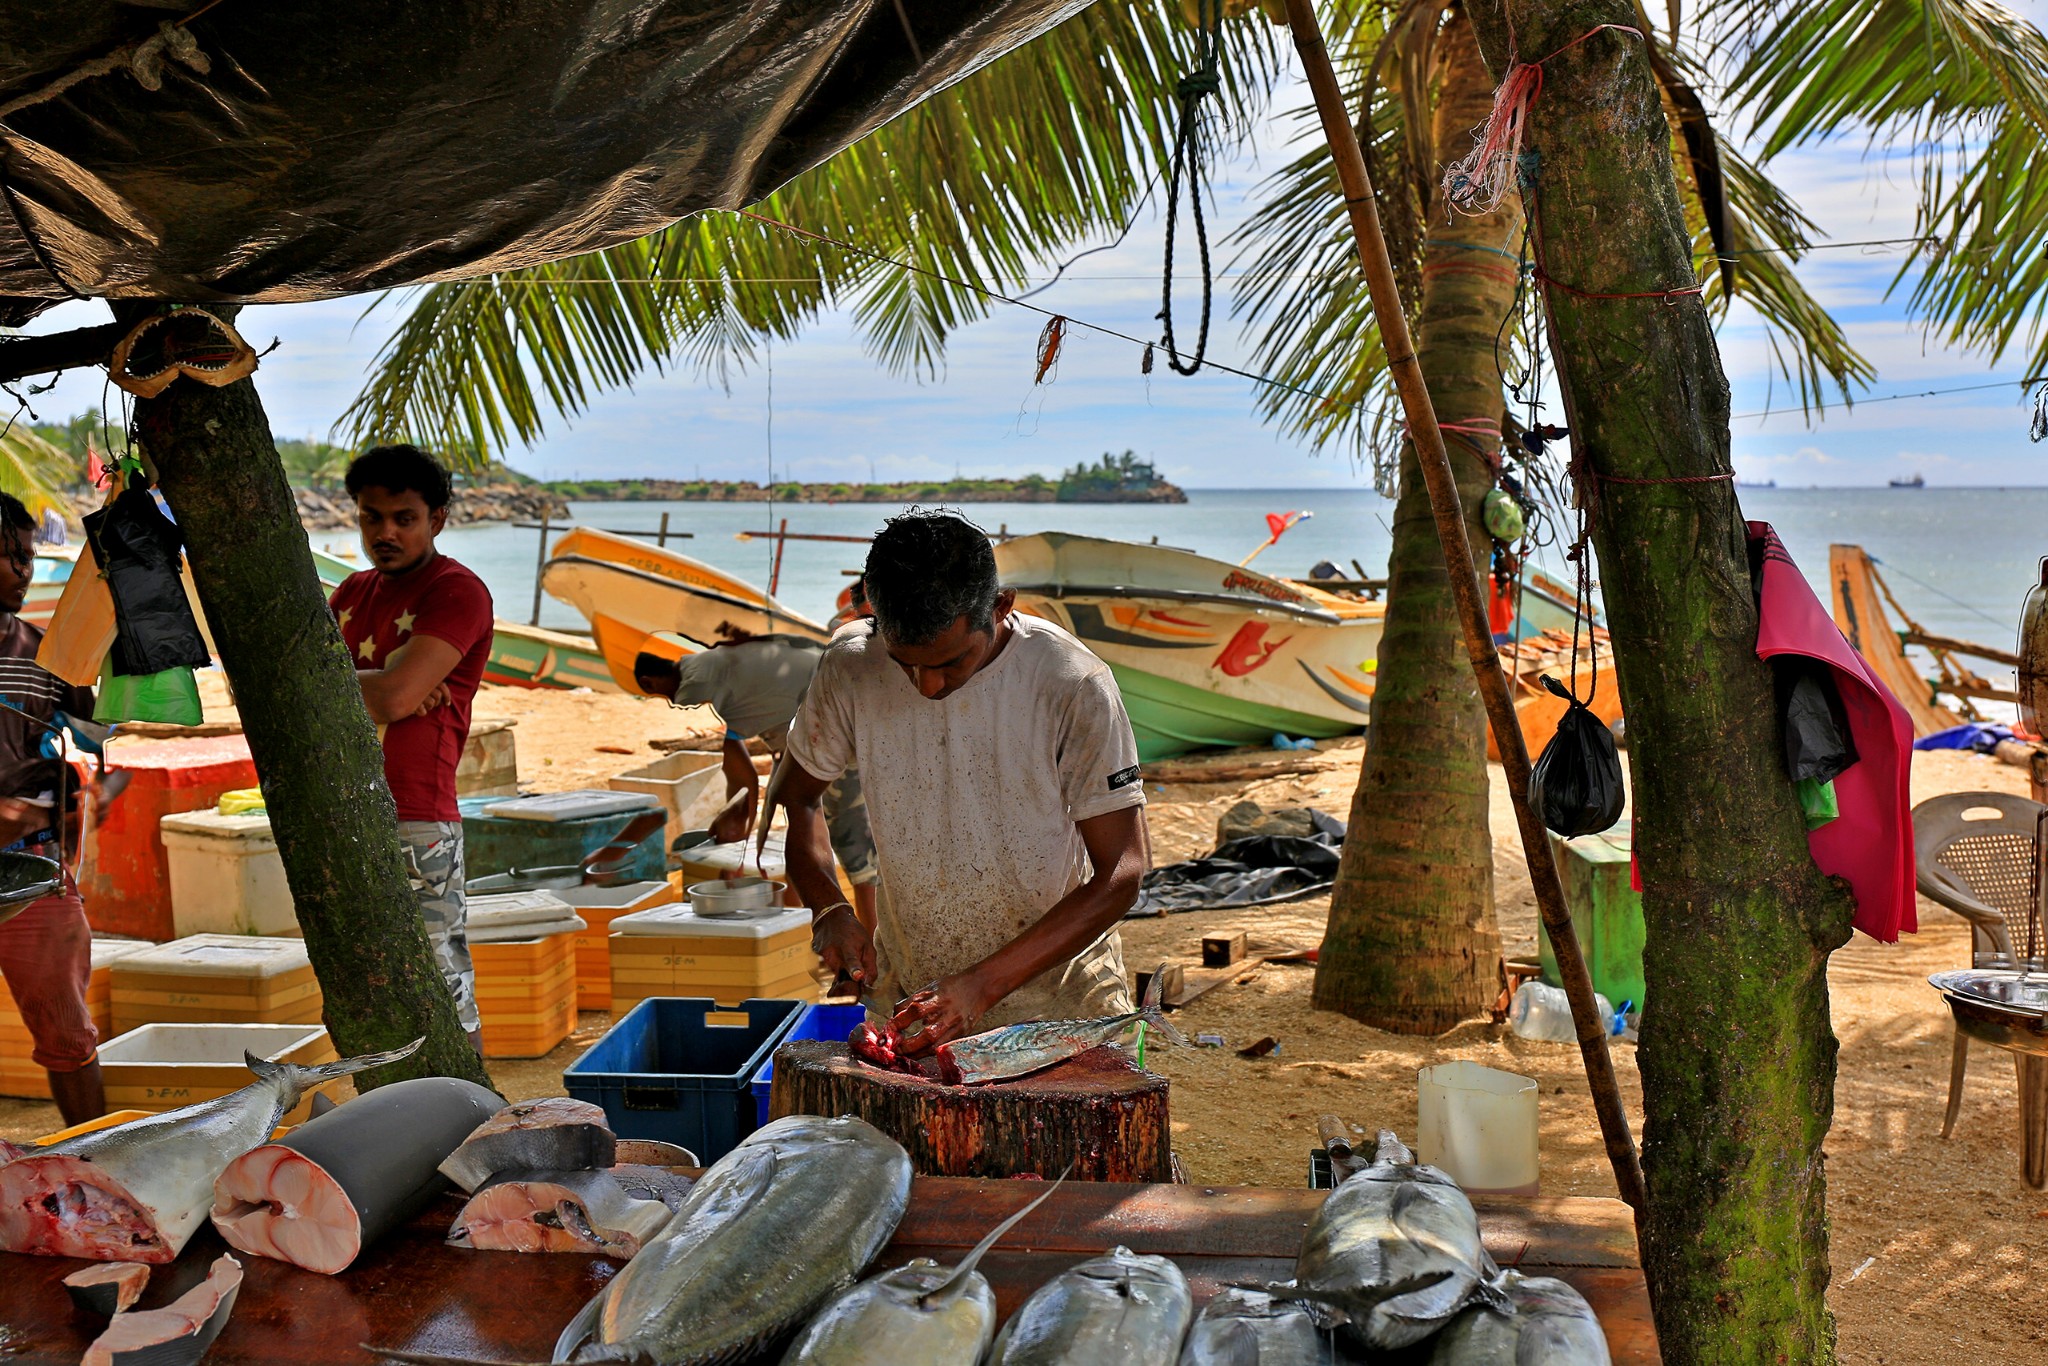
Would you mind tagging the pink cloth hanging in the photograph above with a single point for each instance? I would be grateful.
(1870, 845)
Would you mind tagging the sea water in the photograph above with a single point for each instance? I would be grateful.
(1960, 560)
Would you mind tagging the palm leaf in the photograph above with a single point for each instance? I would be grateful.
(1033, 154)
(1967, 80)
(34, 470)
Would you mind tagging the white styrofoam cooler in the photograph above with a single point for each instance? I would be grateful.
(226, 876)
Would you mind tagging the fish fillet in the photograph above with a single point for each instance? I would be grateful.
(108, 1288)
(557, 1134)
(557, 1212)
(177, 1334)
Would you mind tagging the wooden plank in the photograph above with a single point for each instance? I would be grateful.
(413, 1291)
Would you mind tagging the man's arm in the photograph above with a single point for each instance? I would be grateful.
(408, 679)
(952, 1007)
(742, 786)
(836, 932)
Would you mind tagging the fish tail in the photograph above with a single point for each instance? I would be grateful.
(1155, 1018)
(951, 1285)
(299, 1080)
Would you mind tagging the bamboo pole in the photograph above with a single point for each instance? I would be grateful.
(1450, 525)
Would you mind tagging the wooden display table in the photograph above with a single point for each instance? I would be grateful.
(413, 1291)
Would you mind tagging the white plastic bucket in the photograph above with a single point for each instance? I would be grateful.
(1479, 1125)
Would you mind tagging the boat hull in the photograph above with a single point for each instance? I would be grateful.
(1204, 652)
(655, 590)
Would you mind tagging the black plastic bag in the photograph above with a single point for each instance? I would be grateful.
(1817, 743)
(1576, 786)
(137, 549)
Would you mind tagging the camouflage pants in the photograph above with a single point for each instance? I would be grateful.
(433, 858)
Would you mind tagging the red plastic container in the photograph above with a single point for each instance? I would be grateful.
(126, 877)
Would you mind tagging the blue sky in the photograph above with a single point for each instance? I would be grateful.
(836, 415)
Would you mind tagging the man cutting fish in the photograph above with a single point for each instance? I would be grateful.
(1002, 788)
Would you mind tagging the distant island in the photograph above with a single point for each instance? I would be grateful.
(1112, 479)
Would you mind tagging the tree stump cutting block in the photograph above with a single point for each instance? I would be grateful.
(1099, 1111)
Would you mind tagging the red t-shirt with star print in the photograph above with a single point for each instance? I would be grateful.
(377, 615)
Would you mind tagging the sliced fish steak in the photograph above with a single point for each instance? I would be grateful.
(328, 1189)
(137, 1191)
(558, 1212)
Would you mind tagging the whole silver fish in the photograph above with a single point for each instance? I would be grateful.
(771, 1231)
(1123, 1308)
(1552, 1325)
(919, 1312)
(1250, 1328)
(137, 1191)
(1018, 1050)
(1396, 1250)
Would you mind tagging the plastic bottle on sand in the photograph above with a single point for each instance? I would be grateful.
(1543, 1012)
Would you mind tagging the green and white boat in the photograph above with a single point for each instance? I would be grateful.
(1206, 653)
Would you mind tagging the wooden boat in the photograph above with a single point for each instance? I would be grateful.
(1860, 597)
(54, 564)
(654, 590)
(1205, 652)
(521, 656)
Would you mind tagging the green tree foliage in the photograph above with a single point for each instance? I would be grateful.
(1111, 474)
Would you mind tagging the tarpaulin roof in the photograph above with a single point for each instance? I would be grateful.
(254, 151)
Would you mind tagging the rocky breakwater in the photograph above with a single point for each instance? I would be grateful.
(332, 509)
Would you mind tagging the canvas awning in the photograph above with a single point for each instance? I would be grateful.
(258, 152)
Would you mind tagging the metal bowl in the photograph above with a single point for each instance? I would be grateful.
(26, 879)
(735, 896)
(1999, 1006)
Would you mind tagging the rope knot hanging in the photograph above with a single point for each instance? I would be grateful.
(1496, 164)
(1187, 165)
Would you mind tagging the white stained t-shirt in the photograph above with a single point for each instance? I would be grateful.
(753, 685)
(973, 801)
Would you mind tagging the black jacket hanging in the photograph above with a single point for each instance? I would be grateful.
(137, 549)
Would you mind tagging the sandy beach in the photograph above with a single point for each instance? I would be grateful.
(1935, 1245)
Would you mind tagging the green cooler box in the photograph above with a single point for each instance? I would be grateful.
(1606, 913)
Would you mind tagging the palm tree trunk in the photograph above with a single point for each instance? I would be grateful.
(1737, 1056)
(295, 686)
(1412, 945)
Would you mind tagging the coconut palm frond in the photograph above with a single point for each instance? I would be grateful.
(1033, 154)
(1301, 286)
(34, 470)
(1967, 81)
(1767, 235)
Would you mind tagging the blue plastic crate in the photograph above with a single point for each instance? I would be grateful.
(676, 1069)
(816, 1022)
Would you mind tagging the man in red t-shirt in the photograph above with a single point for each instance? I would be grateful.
(419, 626)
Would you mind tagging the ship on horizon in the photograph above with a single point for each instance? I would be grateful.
(1918, 481)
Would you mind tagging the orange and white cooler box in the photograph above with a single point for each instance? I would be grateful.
(164, 1066)
(216, 979)
(599, 907)
(672, 951)
(523, 946)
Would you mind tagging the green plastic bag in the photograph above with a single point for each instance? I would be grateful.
(171, 697)
(1817, 802)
